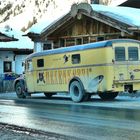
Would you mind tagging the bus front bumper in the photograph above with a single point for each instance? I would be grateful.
(126, 85)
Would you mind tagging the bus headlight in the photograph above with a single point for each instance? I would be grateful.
(121, 76)
(132, 76)
(101, 77)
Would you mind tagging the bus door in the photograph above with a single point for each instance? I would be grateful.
(29, 76)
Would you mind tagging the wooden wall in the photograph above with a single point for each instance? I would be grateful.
(83, 29)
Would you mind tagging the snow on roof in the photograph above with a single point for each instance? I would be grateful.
(47, 22)
(10, 32)
(126, 15)
(23, 42)
(38, 27)
(130, 16)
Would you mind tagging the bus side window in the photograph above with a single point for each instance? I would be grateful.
(76, 58)
(133, 53)
(40, 63)
(120, 54)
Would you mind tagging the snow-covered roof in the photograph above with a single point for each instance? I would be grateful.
(130, 16)
(7, 31)
(126, 15)
(39, 27)
(46, 22)
(23, 42)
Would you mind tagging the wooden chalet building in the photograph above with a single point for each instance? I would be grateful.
(86, 23)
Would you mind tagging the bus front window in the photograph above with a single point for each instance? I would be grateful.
(133, 53)
(120, 54)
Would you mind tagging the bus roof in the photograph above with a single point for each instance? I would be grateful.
(93, 45)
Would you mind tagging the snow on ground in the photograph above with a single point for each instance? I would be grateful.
(8, 132)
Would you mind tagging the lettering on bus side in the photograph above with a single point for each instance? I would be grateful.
(64, 76)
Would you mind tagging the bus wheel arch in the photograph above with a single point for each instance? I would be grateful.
(76, 89)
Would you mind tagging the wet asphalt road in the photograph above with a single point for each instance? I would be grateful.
(95, 119)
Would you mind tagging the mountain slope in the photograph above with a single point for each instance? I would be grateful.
(22, 14)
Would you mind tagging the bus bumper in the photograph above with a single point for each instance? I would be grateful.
(126, 85)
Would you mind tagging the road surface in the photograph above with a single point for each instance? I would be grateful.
(92, 120)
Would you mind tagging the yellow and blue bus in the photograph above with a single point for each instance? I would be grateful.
(104, 68)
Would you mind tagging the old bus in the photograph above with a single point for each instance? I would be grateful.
(104, 68)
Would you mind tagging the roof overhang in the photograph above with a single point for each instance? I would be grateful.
(131, 3)
(15, 49)
(33, 36)
(134, 28)
(5, 38)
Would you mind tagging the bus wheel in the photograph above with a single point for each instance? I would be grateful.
(108, 96)
(48, 95)
(19, 90)
(76, 91)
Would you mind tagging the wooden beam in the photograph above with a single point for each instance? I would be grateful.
(109, 21)
(90, 35)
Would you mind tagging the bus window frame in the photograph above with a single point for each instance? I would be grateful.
(78, 61)
(133, 55)
(28, 65)
(116, 59)
(41, 63)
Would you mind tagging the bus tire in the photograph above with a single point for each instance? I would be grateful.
(76, 91)
(108, 96)
(19, 90)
